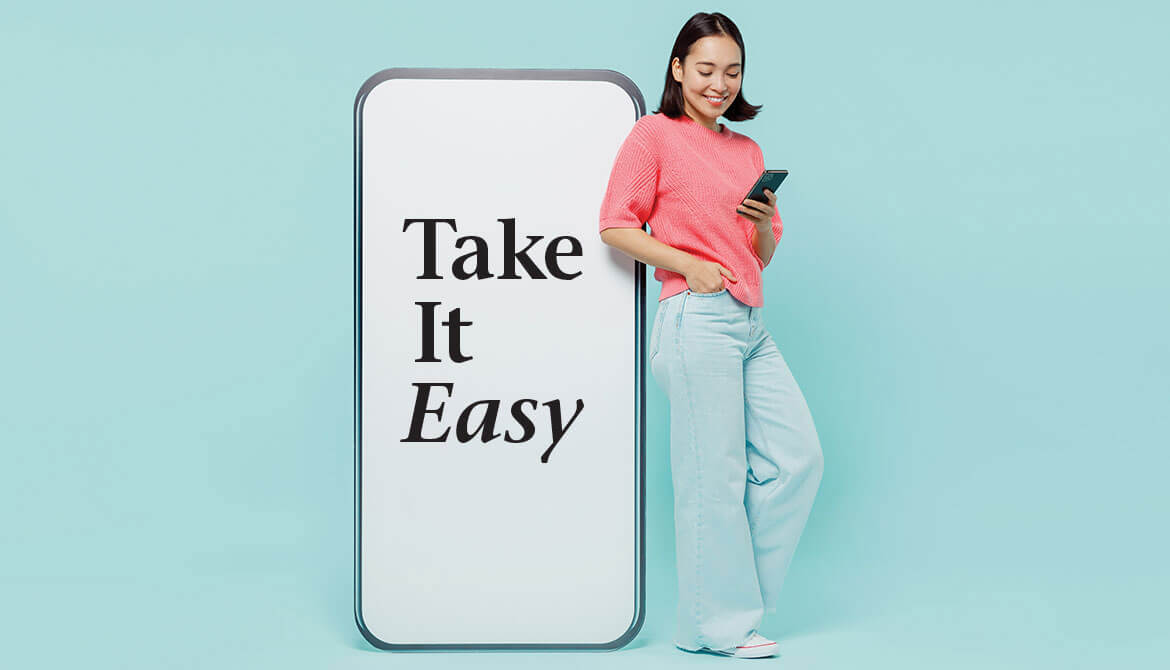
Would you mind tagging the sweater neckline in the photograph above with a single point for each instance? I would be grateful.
(726, 132)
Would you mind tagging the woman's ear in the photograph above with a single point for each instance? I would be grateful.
(676, 69)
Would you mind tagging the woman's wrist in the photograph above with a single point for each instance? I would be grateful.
(687, 266)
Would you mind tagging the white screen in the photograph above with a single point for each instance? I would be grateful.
(481, 543)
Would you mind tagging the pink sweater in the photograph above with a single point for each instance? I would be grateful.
(686, 180)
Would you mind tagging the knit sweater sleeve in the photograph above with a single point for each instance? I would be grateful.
(633, 185)
(777, 224)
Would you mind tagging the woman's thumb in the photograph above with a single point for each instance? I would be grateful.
(727, 273)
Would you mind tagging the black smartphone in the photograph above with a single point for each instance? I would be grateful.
(770, 180)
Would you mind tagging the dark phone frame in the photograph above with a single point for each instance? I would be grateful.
(763, 182)
(637, 377)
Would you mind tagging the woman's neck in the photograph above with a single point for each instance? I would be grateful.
(717, 129)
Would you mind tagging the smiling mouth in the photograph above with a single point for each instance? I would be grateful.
(714, 100)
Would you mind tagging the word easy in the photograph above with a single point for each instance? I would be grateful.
(486, 429)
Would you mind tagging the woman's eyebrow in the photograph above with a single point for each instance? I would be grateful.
(707, 62)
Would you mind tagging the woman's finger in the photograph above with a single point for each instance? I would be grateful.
(751, 215)
(754, 204)
(766, 210)
(762, 213)
(756, 212)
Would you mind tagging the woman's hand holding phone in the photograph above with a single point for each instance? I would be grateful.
(707, 277)
(757, 212)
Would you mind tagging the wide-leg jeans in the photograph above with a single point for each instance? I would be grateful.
(745, 463)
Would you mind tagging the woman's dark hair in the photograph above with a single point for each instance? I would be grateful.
(696, 28)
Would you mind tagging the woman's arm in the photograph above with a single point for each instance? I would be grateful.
(764, 244)
(702, 276)
(636, 243)
(767, 224)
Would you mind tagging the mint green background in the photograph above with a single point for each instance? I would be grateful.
(971, 290)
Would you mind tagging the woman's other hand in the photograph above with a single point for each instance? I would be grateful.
(757, 212)
(707, 277)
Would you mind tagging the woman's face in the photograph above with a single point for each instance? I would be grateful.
(710, 78)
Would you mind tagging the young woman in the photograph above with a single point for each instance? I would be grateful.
(744, 454)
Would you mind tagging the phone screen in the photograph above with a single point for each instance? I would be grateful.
(479, 522)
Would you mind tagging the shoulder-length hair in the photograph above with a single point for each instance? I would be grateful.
(696, 28)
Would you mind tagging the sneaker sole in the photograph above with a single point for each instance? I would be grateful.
(754, 651)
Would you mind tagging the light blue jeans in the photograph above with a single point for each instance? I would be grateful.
(745, 462)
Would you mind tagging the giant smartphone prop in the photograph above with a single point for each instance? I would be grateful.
(499, 392)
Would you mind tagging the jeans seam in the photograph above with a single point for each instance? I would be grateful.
(750, 420)
(781, 478)
(697, 613)
(656, 334)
